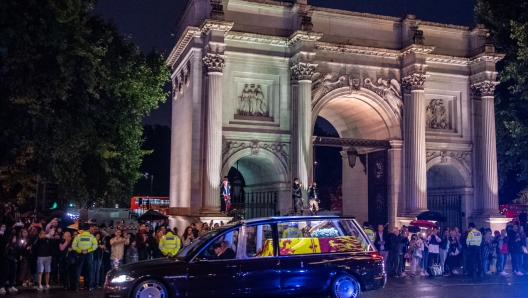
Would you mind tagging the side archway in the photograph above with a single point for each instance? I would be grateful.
(262, 170)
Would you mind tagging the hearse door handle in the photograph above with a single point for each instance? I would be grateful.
(231, 266)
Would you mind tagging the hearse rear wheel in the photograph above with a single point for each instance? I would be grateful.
(345, 286)
(150, 289)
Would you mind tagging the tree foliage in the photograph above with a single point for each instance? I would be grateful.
(73, 92)
(508, 24)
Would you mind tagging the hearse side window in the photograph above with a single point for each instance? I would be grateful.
(222, 248)
(259, 242)
(315, 237)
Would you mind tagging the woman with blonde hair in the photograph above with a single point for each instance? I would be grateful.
(156, 251)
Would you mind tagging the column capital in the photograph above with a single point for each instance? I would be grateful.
(302, 71)
(415, 81)
(484, 88)
(213, 62)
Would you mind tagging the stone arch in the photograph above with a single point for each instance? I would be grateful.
(378, 110)
(264, 165)
(455, 164)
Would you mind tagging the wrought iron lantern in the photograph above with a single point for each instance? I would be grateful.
(352, 155)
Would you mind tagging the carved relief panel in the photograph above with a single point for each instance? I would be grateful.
(253, 101)
(440, 113)
(437, 115)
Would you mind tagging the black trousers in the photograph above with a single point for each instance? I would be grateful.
(474, 264)
(297, 205)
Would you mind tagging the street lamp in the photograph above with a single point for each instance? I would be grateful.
(352, 155)
(151, 181)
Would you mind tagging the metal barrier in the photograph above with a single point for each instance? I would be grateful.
(255, 204)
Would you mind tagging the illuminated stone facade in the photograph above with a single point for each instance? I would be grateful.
(250, 78)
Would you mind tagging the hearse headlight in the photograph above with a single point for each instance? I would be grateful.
(121, 279)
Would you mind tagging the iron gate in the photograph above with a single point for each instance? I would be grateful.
(449, 206)
(254, 204)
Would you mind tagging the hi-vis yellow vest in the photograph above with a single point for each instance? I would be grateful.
(83, 241)
(170, 244)
(474, 238)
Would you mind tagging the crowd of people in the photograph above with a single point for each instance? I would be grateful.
(38, 254)
(447, 252)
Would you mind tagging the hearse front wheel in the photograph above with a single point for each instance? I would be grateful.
(345, 286)
(150, 289)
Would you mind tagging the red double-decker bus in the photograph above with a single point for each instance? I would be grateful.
(140, 204)
(513, 210)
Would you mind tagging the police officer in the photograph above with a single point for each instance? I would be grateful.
(84, 244)
(292, 231)
(170, 244)
(473, 241)
(370, 233)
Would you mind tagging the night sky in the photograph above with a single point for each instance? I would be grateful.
(149, 23)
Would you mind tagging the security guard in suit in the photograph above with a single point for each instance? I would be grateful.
(84, 244)
(473, 241)
(170, 244)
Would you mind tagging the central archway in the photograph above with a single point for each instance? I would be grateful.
(362, 115)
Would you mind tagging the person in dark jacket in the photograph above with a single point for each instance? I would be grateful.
(516, 241)
(397, 244)
(313, 199)
(66, 261)
(381, 243)
(142, 246)
(43, 250)
(97, 261)
(297, 197)
(10, 260)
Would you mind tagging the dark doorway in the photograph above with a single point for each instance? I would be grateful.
(328, 166)
(377, 188)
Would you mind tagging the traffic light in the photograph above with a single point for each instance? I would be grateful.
(148, 204)
(140, 201)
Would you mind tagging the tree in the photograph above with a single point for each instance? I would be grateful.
(72, 96)
(522, 197)
(508, 24)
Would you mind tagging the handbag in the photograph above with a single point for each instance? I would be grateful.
(525, 250)
(435, 270)
(417, 253)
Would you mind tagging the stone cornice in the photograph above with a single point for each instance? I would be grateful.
(360, 50)
(447, 59)
(304, 36)
(414, 48)
(354, 14)
(444, 26)
(489, 57)
(209, 25)
(257, 38)
(182, 43)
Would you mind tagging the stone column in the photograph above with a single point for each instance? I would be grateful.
(414, 144)
(488, 152)
(395, 181)
(302, 74)
(214, 65)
